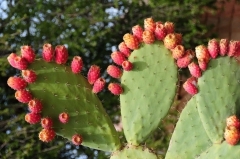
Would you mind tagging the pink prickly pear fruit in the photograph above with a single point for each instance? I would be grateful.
(11, 58)
(32, 118)
(77, 139)
(178, 52)
(190, 86)
(93, 74)
(47, 135)
(77, 64)
(171, 41)
(23, 96)
(223, 44)
(202, 53)
(149, 24)
(16, 83)
(47, 123)
(213, 48)
(195, 70)
(29, 76)
(232, 135)
(63, 117)
(124, 49)
(131, 41)
(137, 32)
(98, 86)
(233, 121)
(20, 63)
(237, 54)
(115, 88)
(61, 54)
(48, 52)
(202, 64)
(118, 57)
(114, 71)
(148, 37)
(127, 65)
(169, 26)
(186, 59)
(35, 106)
(160, 31)
(233, 47)
(28, 53)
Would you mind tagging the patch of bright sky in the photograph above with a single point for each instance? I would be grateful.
(3, 6)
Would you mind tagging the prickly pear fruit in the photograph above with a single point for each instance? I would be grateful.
(124, 49)
(178, 52)
(171, 41)
(202, 53)
(127, 65)
(28, 53)
(115, 88)
(32, 118)
(233, 121)
(47, 123)
(202, 64)
(29, 76)
(11, 58)
(93, 74)
(35, 106)
(77, 64)
(137, 32)
(233, 47)
(148, 37)
(20, 63)
(223, 44)
(232, 135)
(23, 96)
(47, 135)
(61, 54)
(186, 59)
(48, 52)
(195, 70)
(191, 86)
(98, 86)
(149, 24)
(77, 139)
(160, 31)
(114, 71)
(131, 41)
(118, 57)
(213, 48)
(169, 26)
(64, 117)
(16, 83)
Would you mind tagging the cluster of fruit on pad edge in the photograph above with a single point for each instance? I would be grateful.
(196, 61)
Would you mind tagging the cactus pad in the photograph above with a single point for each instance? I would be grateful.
(62, 91)
(149, 90)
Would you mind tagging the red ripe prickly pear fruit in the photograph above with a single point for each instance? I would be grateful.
(213, 48)
(11, 58)
(28, 53)
(160, 31)
(169, 26)
(202, 53)
(63, 117)
(48, 52)
(23, 96)
(131, 41)
(16, 83)
(186, 59)
(118, 57)
(178, 52)
(77, 64)
(148, 37)
(233, 121)
(124, 49)
(77, 139)
(232, 135)
(195, 70)
(114, 71)
(93, 74)
(20, 63)
(127, 65)
(137, 32)
(171, 41)
(149, 24)
(29, 76)
(202, 64)
(61, 54)
(237, 54)
(47, 123)
(98, 86)
(35, 106)
(115, 88)
(223, 44)
(233, 47)
(190, 86)
(47, 135)
(32, 118)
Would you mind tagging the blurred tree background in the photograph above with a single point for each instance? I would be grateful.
(91, 29)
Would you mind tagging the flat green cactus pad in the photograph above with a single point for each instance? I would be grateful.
(62, 91)
(149, 90)
(133, 152)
